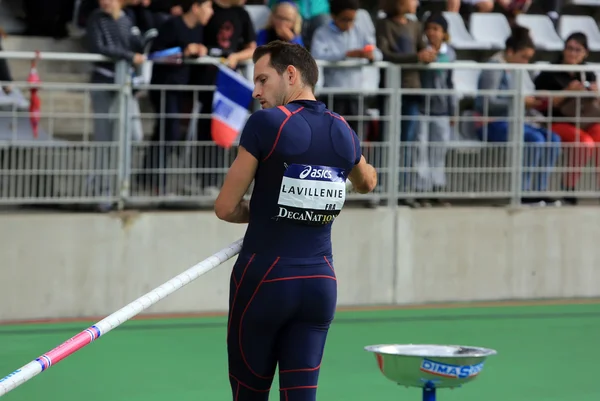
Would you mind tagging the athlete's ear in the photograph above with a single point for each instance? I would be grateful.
(291, 74)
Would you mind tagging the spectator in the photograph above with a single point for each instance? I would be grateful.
(435, 133)
(401, 41)
(586, 134)
(229, 34)
(140, 14)
(185, 32)
(5, 75)
(109, 33)
(347, 36)
(285, 23)
(542, 146)
(314, 13)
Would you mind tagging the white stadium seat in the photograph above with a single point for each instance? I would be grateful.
(542, 31)
(490, 28)
(569, 24)
(460, 38)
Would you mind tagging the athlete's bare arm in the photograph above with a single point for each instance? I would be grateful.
(230, 204)
(363, 177)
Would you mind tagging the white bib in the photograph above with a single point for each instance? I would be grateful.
(311, 195)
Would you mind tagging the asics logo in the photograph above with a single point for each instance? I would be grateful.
(311, 172)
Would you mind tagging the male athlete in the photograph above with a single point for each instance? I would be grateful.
(283, 288)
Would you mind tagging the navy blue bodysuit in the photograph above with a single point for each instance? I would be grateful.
(283, 288)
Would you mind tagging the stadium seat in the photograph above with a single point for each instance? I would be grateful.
(490, 28)
(542, 31)
(569, 24)
(259, 15)
(460, 38)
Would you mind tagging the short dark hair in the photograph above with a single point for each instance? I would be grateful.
(336, 7)
(186, 5)
(284, 54)
(519, 39)
(391, 8)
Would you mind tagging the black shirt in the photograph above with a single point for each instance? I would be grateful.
(229, 30)
(559, 80)
(174, 33)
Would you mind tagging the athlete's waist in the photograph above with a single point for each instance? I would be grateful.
(289, 260)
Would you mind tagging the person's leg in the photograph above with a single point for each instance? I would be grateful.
(257, 311)
(409, 127)
(102, 103)
(549, 156)
(532, 152)
(580, 147)
(439, 136)
(302, 341)
(594, 132)
(424, 180)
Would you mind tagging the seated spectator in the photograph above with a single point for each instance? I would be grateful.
(400, 40)
(185, 32)
(542, 146)
(314, 13)
(347, 36)
(109, 33)
(284, 24)
(435, 133)
(585, 134)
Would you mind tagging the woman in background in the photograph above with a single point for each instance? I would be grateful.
(285, 23)
(586, 135)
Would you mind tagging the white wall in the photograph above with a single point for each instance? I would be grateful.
(74, 265)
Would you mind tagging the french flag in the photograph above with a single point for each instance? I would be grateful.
(231, 100)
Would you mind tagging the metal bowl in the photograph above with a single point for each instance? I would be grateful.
(424, 365)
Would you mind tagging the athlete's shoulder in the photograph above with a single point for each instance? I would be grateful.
(267, 117)
(260, 132)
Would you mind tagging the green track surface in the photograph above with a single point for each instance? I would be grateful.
(545, 353)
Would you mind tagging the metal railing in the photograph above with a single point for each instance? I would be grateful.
(120, 156)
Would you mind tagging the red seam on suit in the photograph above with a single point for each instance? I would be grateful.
(237, 391)
(297, 278)
(347, 125)
(298, 388)
(329, 264)
(247, 386)
(289, 115)
(236, 292)
(242, 321)
(301, 370)
(286, 395)
(234, 280)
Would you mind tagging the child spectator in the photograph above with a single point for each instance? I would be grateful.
(349, 35)
(284, 24)
(186, 32)
(401, 41)
(435, 133)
